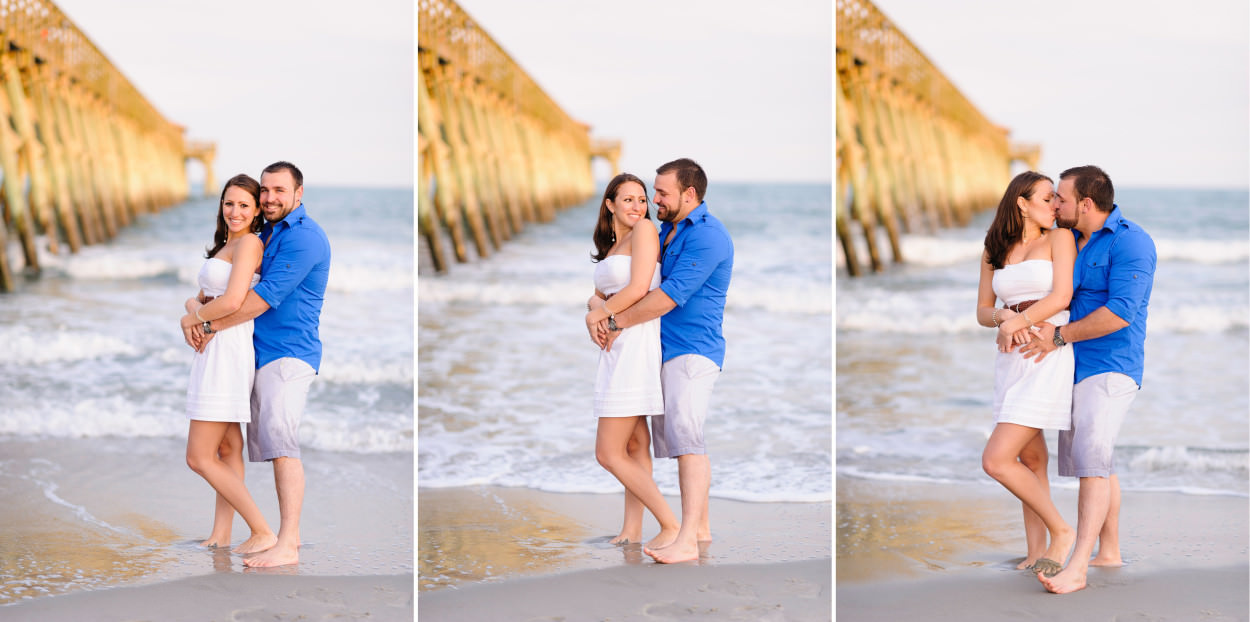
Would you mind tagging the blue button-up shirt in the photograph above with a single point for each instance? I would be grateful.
(1115, 269)
(695, 268)
(293, 276)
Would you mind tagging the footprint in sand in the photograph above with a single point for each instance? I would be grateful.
(733, 588)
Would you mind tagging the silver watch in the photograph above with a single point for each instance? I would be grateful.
(1058, 340)
(207, 326)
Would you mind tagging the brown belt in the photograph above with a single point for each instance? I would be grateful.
(1019, 307)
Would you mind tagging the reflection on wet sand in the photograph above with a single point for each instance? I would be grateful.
(470, 535)
(881, 535)
(57, 556)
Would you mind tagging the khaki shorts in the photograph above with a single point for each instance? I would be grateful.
(278, 399)
(687, 381)
(1099, 405)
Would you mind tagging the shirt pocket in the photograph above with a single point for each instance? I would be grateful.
(1094, 271)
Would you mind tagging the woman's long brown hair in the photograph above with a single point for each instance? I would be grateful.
(1008, 225)
(252, 187)
(605, 235)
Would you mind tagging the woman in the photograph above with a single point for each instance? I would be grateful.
(1028, 266)
(627, 387)
(219, 392)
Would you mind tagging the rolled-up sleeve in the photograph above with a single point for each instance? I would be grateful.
(700, 256)
(1131, 274)
(297, 253)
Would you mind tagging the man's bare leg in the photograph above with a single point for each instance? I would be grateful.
(1091, 511)
(288, 475)
(705, 530)
(695, 474)
(1109, 537)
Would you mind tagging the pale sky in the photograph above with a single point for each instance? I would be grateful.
(325, 85)
(1156, 93)
(742, 87)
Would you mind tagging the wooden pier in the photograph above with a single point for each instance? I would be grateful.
(912, 151)
(495, 151)
(83, 152)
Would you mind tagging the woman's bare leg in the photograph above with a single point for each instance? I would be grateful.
(612, 451)
(223, 515)
(638, 450)
(204, 442)
(1001, 461)
(1035, 457)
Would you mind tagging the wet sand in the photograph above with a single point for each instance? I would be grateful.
(946, 552)
(510, 553)
(89, 519)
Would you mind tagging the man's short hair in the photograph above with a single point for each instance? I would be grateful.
(283, 165)
(689, 175)
(1091, 181)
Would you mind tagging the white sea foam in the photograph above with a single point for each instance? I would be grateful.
(1209, 251)
(39, 476)
(23, 346)
(357, 370)
(349, 278)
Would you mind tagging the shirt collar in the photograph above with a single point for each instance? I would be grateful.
(1114, 219)
(290, 219)
(696, 215)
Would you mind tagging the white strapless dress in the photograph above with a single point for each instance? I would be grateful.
(220, 388)
(1026, 392)
(628, 382)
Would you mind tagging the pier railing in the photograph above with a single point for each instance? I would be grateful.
(83, 152)
(495, 151)
(912, 151)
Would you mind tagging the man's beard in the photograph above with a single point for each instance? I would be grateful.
(1065, 224)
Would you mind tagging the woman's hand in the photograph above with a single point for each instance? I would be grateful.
(597, 326)
(1013, 330)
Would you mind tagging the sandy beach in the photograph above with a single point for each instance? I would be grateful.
(109, 529)
(521, 554)
(946, 552)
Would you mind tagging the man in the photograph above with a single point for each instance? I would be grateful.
(286, 305)
(696, 264)
(1111, 281)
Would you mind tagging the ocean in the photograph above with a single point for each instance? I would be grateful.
(506, 369)
(915, 371)
(92, 348)
(93, 378)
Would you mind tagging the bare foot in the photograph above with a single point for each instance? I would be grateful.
(1028, 561)
(1060, 545)
(216, 542)
(675, 553)
(1109, 559)
(704, 536)
(276, 556)
(1070, 580)
(664, 538)
(257, 543)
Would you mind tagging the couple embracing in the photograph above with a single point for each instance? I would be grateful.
(1071, 350)
(662, 369)
(254, 327)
